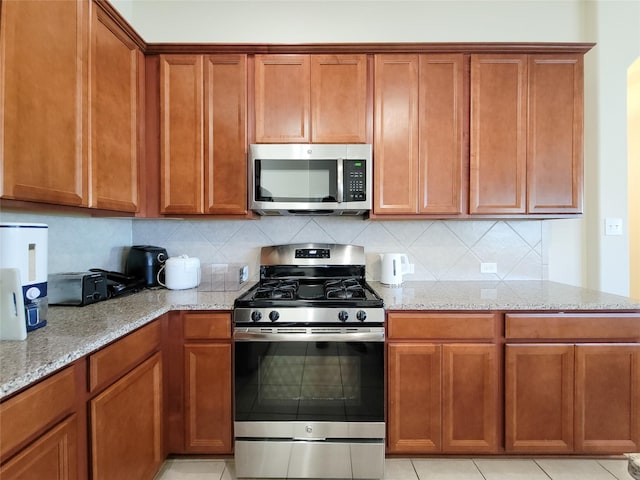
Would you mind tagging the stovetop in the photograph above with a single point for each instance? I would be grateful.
(339, 292)
(310, 284)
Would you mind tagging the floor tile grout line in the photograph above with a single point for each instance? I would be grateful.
(535, 460)
(478, 468)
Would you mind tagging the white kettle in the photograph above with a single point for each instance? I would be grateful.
(181, 273)
(394, 265)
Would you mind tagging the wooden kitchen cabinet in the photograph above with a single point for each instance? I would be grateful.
(579, 396)
(200, 413)
(43, 98)
(207, 376)
(126, 414)
(526, 134)
(419, 133)
(442, 391)
(117, 76)
(52, 456)
(40, 435)
(203, 111)
(311, 98)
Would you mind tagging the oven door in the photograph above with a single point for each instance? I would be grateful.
(309, 402)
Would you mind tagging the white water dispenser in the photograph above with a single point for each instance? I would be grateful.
(23, 248)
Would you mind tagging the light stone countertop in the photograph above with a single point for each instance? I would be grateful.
(73, 332)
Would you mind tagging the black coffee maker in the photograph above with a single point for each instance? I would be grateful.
(144, 262)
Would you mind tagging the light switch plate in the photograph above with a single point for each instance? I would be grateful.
(612, 226)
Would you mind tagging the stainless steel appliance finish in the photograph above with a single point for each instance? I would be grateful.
(309, 367)
(321, 179)
(77, 288)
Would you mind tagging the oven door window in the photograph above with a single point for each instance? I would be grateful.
(309, 181)
(321, 381)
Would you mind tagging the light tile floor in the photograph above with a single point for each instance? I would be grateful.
(435, 469)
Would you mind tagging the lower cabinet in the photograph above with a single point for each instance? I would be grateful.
(126, 419)
(52, 456)
(442, 394)
(200, 415)
(581, 396)
(126, 407)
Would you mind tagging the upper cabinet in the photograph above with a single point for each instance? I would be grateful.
(61, 144)
(311, 98)
(203, 110)
(419, 133)
(526, 134)
(116, 115)
(43, 127)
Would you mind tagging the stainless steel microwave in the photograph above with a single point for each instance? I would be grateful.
(310, 179)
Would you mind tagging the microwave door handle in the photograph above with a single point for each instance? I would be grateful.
(340, 180)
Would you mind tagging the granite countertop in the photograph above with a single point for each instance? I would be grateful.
(73, 332)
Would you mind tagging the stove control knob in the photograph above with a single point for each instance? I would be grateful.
(361, 315)
(343, 316)
(256, 316)
(273, 316)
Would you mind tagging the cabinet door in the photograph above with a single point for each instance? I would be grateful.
(282, 98)
(498, 134)
(414, 403)
(126, 425)
(208, 398)
(52, 456)
(470, 398)
(339, 98)
(539, 382)
(43, 127)
(607, 398)
(441, 134)
(554, 151)
(115, 105)
(225, 110)
(181, 128)
(396, 169)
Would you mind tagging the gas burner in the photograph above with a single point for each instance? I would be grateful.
(344, 289)
(277, 289)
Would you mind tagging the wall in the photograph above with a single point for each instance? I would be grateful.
(575, 251)
(79, 242)
(633, 129)
(440, 250)
(578, 252)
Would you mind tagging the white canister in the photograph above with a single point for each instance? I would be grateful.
(181, 272)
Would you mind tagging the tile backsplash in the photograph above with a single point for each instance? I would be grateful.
(79, 242)
(440, 250)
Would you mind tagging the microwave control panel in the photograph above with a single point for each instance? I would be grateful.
(355, 180)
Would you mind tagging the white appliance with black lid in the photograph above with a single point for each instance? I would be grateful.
(309, 367)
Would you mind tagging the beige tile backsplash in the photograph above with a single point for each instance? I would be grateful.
(440, 250)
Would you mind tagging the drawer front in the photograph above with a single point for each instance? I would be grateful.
(110, 363)
(573, 326)
(442, 326)
(207, 325)
(27, 414)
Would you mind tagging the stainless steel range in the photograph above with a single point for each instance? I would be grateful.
(309, 367)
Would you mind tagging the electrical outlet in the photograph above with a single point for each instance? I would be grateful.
(488, 267)
(613, 226)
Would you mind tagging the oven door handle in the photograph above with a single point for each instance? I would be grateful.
(245, 336)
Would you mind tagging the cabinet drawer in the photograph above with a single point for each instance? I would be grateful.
(573, 326)
(446, 326)
(207, 325)
(36, 409)
(110, 363)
